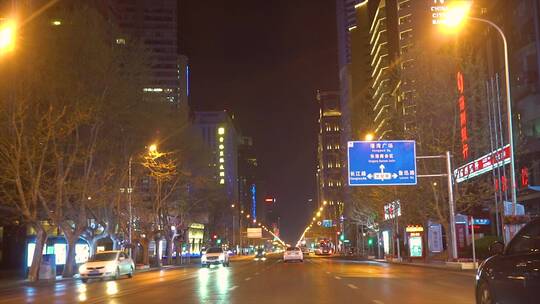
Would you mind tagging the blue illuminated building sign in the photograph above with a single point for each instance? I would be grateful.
(253, 201)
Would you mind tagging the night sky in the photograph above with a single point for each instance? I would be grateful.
(263, 61)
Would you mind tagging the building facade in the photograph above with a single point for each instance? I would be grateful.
(219, 134)
(330, 160)
(154, 23)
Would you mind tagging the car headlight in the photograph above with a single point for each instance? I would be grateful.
(82, 268)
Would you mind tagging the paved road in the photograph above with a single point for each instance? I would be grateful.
(317, 280)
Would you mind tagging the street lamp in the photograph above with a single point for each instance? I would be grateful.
(152, 148)
(7, 36)
(455, 17)
(369, 137)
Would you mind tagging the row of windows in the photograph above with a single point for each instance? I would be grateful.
(333, 147)
(404, 5)
(331, 165)
(332, 184)
(406, 34)
(330, 128)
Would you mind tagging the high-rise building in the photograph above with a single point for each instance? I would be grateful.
(220, 135)
(247, 175)
(154, 23)
(330, 160)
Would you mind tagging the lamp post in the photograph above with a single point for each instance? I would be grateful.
(508, 111)
(455, 17)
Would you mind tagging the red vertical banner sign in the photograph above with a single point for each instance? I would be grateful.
(462, 116)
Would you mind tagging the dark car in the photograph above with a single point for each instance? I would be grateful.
(260, 255)
(512, 275)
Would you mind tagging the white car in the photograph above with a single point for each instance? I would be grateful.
(214, 256)
(293, 254)
(107, 264)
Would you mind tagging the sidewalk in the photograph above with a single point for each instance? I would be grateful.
(465, 267)
(8, 282)
(437, 264)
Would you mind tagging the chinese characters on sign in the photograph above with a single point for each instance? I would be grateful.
(463, 117)
(483, 164)
(378, 163)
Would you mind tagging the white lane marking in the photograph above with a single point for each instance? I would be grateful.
(233, 288)
(337, 278)
(328, 272)
(352, 286)
(256, 273)
(378, 302)
(248, 278)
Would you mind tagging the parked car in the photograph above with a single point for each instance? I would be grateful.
(512, 274)
(293, 254)
(214, 256)
(107, 264)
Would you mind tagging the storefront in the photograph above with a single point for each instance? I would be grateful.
(195, 238)
(415, 241)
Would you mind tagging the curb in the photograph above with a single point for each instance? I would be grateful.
(424, 265)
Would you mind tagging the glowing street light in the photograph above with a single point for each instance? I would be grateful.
(152, 148)
(8, 33)
(369, 137)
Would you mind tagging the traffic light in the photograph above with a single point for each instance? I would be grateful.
(218, 241)
(214, 236)
(342, 237)
(370, 242)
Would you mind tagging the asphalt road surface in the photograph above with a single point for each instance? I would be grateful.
(316, 280)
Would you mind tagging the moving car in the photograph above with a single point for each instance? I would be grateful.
(107, 264)
(305, 250)
(260, 255)
(512, 274)
(293, 254)
(214, 256)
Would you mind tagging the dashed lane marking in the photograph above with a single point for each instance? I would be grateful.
(248, 278)
(378, 302)
(337, 278)
(233, 288)
(328, 272)
(256, 273)
(352, 286)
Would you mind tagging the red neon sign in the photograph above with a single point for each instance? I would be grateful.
(462, 116)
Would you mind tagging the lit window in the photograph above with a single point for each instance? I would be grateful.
(222, 174)
(56, 22)
(221, 139)
(221, 131)
(221, 167)
(221, 160)
(120, 41)
(221, 147)
(220, 153)
(222, 181)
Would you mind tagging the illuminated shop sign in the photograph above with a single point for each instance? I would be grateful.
(462, 117)
(484, 164)
(392, 210)
(414, 229)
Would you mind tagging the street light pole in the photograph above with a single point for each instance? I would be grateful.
(129, 191)
(508, 111)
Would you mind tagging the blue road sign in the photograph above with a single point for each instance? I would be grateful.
(382, 163)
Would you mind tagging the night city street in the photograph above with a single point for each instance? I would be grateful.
(316, 280)
(270, 151)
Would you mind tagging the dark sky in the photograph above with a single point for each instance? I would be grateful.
(264, 61)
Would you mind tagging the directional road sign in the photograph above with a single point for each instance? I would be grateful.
(382, 163)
